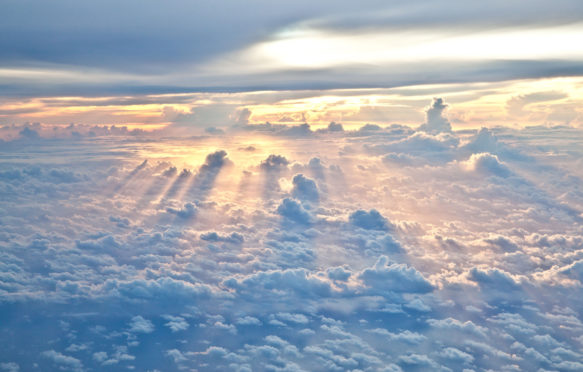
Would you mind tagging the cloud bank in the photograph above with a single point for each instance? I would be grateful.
(287, 248)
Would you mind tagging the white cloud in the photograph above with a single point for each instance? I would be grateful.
(63, 361)
(176, 323)
(141, 325)
(467, 258)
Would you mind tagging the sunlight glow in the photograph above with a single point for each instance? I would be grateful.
(324, 49)
(549, 101)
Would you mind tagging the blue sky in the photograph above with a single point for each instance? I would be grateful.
(307, 186)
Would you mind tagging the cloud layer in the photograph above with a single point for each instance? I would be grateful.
(286, 248)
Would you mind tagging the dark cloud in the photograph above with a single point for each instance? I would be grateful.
(371, 220)
(274, 162)
(294, 211)
(335, 127)
(28, 133)
(234, 238)
(305, 189)
(188, 211)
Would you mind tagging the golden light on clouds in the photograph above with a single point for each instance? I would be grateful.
(512, 103)
(471, 105)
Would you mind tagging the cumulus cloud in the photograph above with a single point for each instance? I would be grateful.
(305, 189)
(335, 127)
(28, 133)
(188, 211)
(141, 325)
(176, 323)
(274, 162)
(386, 276)
(483, 142)
(294, 211)
(487, 164)
(383, 248)
(436, 122)
(371, 220)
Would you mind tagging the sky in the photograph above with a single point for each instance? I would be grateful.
(143, 64)
(291, 186)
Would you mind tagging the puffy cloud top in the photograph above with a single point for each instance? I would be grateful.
(305, 188)
(487, 164)
(274, 162)
(386, 276)
(371, 220)
(483, 142)
(215, 160)
(294, 211)
(436, 122)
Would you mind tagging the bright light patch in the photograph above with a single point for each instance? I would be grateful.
(318, 49)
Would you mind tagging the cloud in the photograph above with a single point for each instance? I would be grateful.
(204, 180)
(456, 355)
(386, 276)
(483, 142)
(161, 287)
(407, 336)
(450, 324)
(63, 361)
(574, 270)
(160, 63)
(507, 245)
(487, 164)
(436, 122)
(339, 273)
(100, 356)
(294, 211)
(274, 162)
(418, 149)
(176, 323)
(371, 220)
(249, 320)
(400, 159)
(292, 318)
(10, 367)
(141, 325)
(134, 264)
(305, 189)
(418, 361)
(28, 133)
(297, 280)
(189, 211)
(486, 142)
(516, 104)
(234, 238)
(335, 127)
